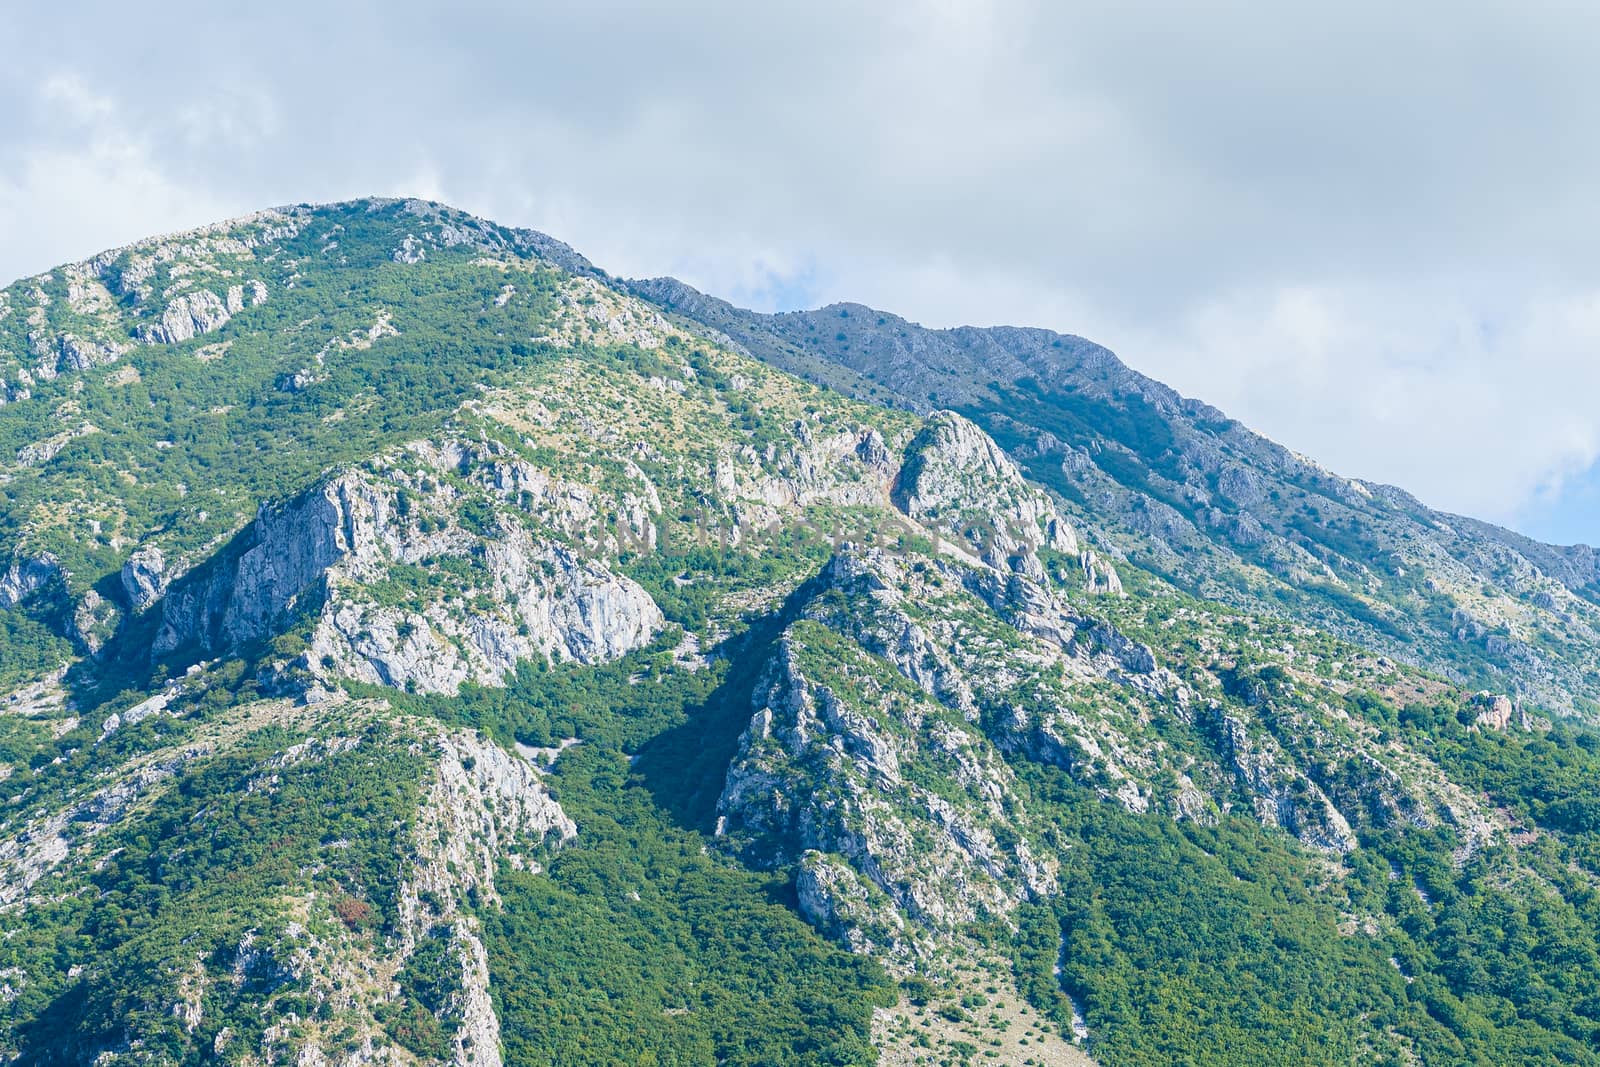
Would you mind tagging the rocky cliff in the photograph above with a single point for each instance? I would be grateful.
(384, 570)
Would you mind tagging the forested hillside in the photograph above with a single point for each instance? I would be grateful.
(418, 647)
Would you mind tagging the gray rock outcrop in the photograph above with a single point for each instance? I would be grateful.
(511, 596)
(187, 317)
(81, 353)
(955, 479)
(145, 577)
(25, 576)
(485, 805)
(1494, 711)
(821, 771)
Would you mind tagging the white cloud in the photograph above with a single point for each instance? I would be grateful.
(1367, 231)
(1488, 417)
(93, 183)
(228, 117)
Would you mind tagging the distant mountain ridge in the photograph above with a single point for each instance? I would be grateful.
(1180, 488)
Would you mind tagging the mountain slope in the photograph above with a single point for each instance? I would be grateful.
(448, 657)
(1189, 493)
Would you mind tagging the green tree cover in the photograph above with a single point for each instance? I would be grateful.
(639, 946)
(1222, 945)
(710, 963)
(209, 864)
(427, 982)
(31, 641)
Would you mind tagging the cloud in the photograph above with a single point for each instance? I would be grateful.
(1367, 231)
(88, 183)
(1483, 405)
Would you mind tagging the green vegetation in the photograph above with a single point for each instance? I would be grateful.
(1219, 946)
(191, 885)
(431, 977)
(31, 641)
(641, 944)
(206, 852)
(640, 947)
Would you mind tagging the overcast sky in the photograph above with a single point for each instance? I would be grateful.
(1371, 231)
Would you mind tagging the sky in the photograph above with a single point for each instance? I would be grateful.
(1367, 230)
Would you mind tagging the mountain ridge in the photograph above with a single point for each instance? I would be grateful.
(1213, 492)
(420, 648)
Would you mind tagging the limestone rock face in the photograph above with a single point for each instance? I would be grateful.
(160, 291)
(547, 605)
(849, 468)
(1281, 793)
(1240, 485)
(1099, 575)
(31, 851)
(94, 621)
(331, 552)
(256, 291)
(410, 251)
(874, 758)
(1494, 711)
(26, 576)
(822, 770)
(79, 353)
(187, 317)
(840, 904)
(233, 598)
(957, 480)
(485, 805)
(145, 577)
(43, 451)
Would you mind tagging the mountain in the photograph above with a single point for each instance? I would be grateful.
(1188, 493)
(421, 647)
